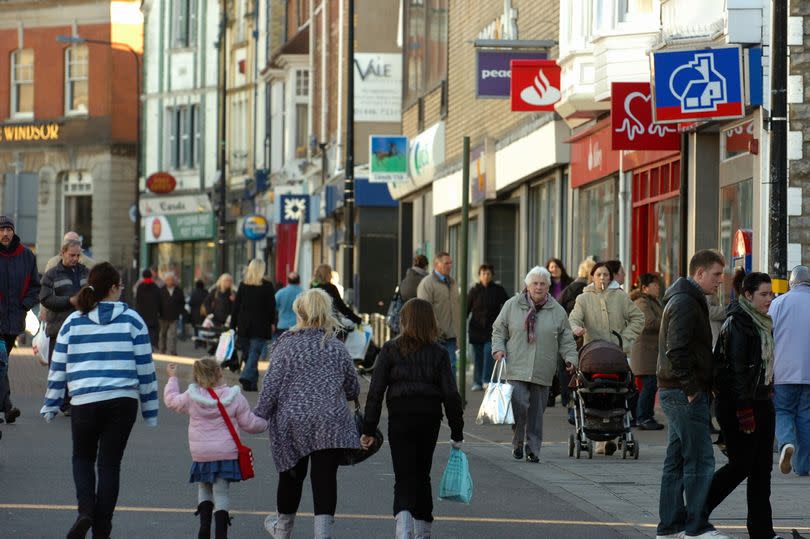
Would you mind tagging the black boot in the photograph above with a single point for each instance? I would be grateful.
(221, 523)
(80, 527)
(205, 510)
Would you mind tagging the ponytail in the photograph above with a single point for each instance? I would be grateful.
(102, 278)
(748, 282)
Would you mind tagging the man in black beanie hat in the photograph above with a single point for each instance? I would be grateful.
(19, 292)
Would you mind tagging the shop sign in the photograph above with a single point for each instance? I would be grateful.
(388, 158)
(704, 84)
(482, 172)
(182, 227)
(294, 209)
(161, 183)
(255, 227)
(29, 132)
(631, 121)
(174, 205)
(425, 153)
(535, 85)
(738, 139)
(592, 158)
(377, 87)
(494, 71)
(754, 76)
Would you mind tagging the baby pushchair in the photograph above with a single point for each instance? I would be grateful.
(601, 390)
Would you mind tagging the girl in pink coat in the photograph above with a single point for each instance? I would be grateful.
(213, 449)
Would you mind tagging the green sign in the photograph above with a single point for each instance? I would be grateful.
(181, 227)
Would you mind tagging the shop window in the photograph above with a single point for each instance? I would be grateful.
(22, 83)
(595, 220)
(184, 137)
(185, 23)
(543, 214)
(76, 99)
(737, 140)
(736, 211)
(426, 48)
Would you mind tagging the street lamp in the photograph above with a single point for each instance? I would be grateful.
(77, 40)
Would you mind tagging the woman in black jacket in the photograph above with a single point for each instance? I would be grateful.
(413, 372)
(323, 280)
(253, 318)
(745, 411)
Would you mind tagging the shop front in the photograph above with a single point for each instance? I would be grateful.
(179, 232)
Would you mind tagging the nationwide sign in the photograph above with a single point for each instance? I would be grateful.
(705, 84)
(494, 71)
(29, 132)
(631, 120)
(535, 85)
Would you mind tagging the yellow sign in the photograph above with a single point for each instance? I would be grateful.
(28, 133)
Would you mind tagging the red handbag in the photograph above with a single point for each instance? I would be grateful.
(245, 453)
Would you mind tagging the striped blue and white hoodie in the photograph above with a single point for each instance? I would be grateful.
(102, 355)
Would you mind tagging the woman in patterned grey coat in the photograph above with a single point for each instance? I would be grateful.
(304, 400)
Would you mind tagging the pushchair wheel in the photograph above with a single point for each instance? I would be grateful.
(635, 451)
(571, 445)
(624, 452)
(578, 450)
(590, 449)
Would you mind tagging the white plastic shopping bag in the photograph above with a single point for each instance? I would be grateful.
(496, 409)
(42, 344)
(357, 341)
(225, 346)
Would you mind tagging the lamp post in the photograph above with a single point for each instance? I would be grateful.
(77, 40)
(348, 183)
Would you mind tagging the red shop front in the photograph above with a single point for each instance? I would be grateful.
(656, 185)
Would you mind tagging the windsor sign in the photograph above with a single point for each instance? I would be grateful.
(29, 132)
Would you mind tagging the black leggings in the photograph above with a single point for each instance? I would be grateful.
(412, 440)
(323, 479)
(100, 429)
(750, 456)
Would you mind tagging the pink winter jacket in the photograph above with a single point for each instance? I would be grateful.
(208, 436)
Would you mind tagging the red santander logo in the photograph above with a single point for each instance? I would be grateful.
(535, 85)
(161, 183)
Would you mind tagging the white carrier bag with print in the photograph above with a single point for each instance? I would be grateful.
(225, 346)
(496, 408)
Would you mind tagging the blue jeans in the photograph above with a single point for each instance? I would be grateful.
(688, 466)
(4, 383)
(450, 346)
(792, 402)
(254, 348)
(645, 409)
(482, 369)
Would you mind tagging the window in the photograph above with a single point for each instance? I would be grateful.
(184, 137)
(736, 140)
(302, 83)
(543, 217)
(78, 205)
(595, 220)
(736, 211)
(301, 127)
(76, 80)
(185, 23)
(426, 48)
(22, 83)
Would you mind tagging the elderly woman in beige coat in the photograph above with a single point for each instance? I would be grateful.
(530, 334)
(601, 309)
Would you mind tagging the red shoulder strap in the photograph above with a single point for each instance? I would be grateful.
(226, 417)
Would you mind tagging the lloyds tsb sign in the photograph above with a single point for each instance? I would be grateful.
(29, 132)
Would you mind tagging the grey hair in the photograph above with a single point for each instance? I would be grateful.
(67, 244)
(538, 271)
(799, 275)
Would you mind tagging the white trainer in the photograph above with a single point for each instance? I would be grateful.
(679, 535)
(784, 458)
(711, 534)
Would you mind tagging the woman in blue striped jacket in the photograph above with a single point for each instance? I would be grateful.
(104, 357)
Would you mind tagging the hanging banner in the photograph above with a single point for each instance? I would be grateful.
(535, 85)
(631, 120)
(388, 158)
(704, 84)
(183, 227)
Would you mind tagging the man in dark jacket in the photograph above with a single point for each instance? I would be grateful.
(685, 379)
(147, 303)
(172, 305)
(19, 293)
(484, 303)
(60, 285)
(414, 275)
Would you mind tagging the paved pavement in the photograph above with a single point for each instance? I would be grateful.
(561, 497)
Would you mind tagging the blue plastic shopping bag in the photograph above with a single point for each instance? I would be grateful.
(456, 484)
